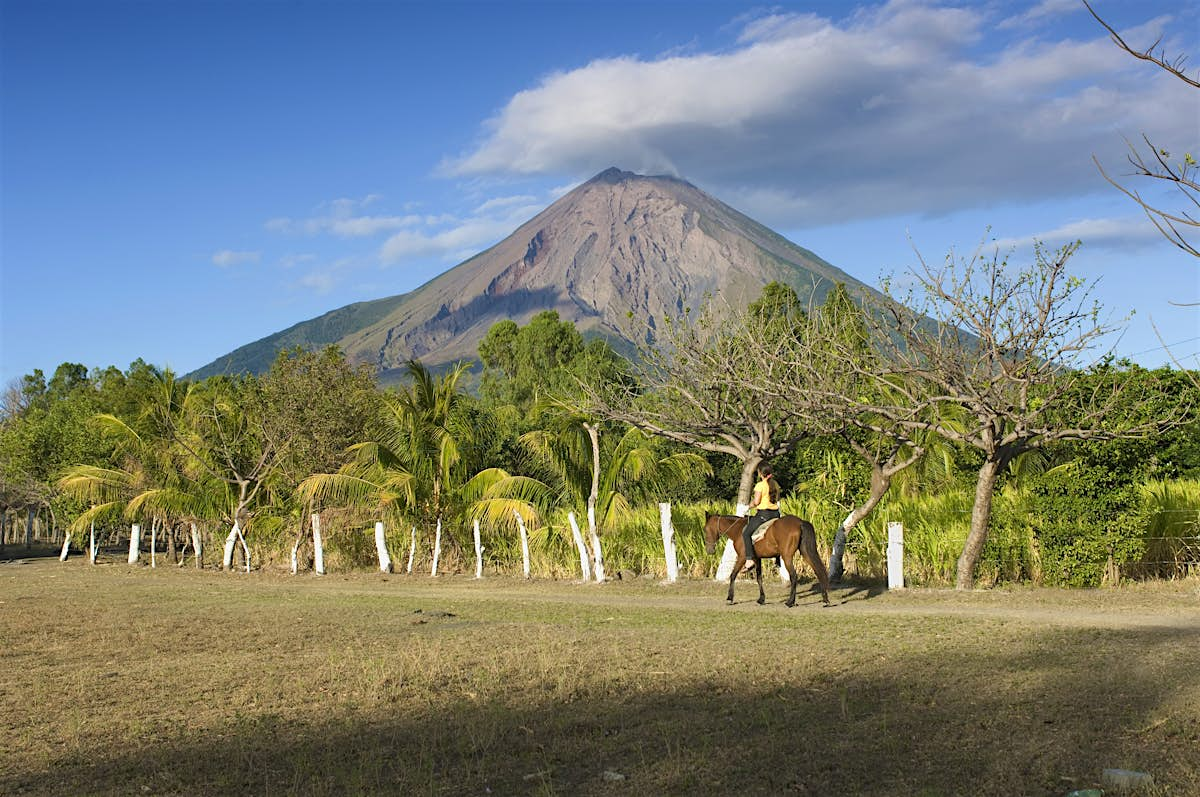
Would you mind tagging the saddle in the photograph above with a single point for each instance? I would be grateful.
(761, 531)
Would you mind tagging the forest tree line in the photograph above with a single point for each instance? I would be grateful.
(966, 407)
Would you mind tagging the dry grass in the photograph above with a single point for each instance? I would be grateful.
(118, 680)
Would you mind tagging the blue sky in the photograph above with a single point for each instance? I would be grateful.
(181, 178)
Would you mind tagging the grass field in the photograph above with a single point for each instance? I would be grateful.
(127, 680)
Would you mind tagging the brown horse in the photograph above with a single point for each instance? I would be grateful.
(783, 538)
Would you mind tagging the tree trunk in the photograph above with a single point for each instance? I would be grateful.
(746, 484)
(985, 487)
(153, 540)
(92, 545)
(296, 548)
(29, 528)
(230, 542)
(172, 552)
(245, 549)
(597, 556)
(584, 563)
(135, 543)
(196, 547)
(318, 545)
(880, 483)
(66, 549)
(385, 559)
(594, 495)
(524, 543)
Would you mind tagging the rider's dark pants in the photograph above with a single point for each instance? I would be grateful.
(752, 523)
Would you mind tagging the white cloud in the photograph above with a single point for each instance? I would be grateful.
(499, 203)
(493, 220)
(1041, 12)
(1126, 232)
(319, 282)
(340, 217)
(890, 111)
(322, 279)
(442, 237)
(291, 261)
(227, 258)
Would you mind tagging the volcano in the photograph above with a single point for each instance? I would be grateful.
(617, 244)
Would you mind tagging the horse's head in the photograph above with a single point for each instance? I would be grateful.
(712, 532)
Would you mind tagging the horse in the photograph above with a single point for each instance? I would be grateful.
(783, 538)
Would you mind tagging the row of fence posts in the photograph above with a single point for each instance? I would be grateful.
(591, 562)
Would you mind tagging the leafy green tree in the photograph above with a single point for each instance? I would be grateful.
(545, 357)
(316, 405)
(43, 431)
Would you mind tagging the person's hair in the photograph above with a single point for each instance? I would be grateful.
(765, 471)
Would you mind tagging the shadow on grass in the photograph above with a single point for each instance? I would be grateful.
(865, 590)
(1032, 721)
(14, 552)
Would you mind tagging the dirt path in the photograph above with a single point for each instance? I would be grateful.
(1168, 605)
(1165, 605)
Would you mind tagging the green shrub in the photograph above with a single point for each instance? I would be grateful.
(1085, 519)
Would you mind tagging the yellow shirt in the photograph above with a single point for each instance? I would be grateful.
(762, 491)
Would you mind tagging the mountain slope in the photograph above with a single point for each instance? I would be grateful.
(618, 243)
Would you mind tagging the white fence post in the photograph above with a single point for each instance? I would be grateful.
(318, 545)
(729, 557)
(385, 558)
(895, 556)
(668, 538)
(135, 539)
(524, 542)
(412, 547)
(478, 553)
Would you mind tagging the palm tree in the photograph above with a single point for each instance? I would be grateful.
(609, 478)
(419, 461)
(150, 485)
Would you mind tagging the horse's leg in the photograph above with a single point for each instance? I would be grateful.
(791, 568)
(737, 569)
(758, 568)
(808, 546)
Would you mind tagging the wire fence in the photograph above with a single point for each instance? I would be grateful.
(1165, 557)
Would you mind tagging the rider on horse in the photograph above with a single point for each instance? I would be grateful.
(766, 505)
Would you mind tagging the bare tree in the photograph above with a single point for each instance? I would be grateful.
(695, 385)
(1001, 348)
(818, 387)
(1156, 162)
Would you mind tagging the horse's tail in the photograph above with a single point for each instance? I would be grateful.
(808, 546)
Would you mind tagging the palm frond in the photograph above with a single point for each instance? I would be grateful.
(342, 489)
(96, 513)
